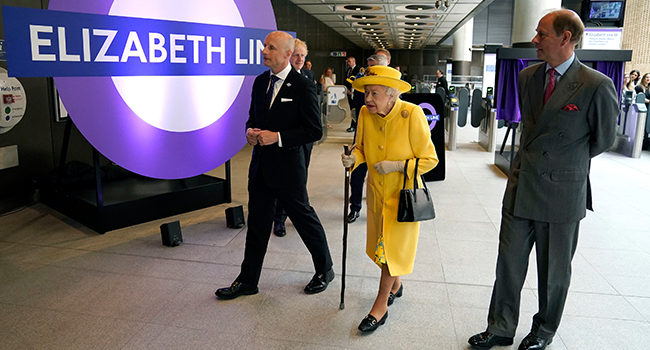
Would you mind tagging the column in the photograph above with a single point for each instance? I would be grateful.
(527, 15)
(462, 51)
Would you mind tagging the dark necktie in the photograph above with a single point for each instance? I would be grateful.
(269, 93)
(550, 86)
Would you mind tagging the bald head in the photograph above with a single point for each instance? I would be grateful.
(278, 47)
(567, 20)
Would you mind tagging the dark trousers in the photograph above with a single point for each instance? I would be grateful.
(280, 215)
(261, 209)
(555, 246)
(357, 178)
(353, 121)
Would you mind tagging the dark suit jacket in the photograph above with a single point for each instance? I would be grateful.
(307, 74)
(442, 82)
(350, 73)
(548, 178)
(296, 116)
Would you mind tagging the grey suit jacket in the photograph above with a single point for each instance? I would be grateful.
(549, 177)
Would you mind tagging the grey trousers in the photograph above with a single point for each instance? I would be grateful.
(555, 246)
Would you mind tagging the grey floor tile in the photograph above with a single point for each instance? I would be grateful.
(48, 329)
(642, 305)
(597, 333)
(158, 337)
(601, 306)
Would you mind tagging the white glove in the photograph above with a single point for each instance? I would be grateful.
(348, 161)
(388, 166)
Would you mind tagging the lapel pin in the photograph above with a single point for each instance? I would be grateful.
(288, 84)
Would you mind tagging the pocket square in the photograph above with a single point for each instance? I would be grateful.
(571, 107)
(286, 100)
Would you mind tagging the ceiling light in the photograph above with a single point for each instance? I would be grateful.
(363, 17)
(419, 9)
(417, 17)
(358, 8)
(367, 24)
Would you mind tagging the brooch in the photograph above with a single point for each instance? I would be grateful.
(405, 114)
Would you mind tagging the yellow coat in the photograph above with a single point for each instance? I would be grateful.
(403, 134)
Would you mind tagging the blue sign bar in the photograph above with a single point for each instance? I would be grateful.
(46, 43)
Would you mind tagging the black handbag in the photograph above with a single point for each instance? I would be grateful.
(414, 204)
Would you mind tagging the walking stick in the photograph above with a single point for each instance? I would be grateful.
(348, 151)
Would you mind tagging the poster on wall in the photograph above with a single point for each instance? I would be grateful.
(13, 103)
(161, 90)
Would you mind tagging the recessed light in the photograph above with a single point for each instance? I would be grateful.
(358, 8)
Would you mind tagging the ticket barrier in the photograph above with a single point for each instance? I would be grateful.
(484, 117)
(456, 106)
(629, 140)
(333, 108)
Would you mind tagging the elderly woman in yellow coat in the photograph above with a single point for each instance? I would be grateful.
(389, 132)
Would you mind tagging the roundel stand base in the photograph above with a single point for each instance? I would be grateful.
(106, 205)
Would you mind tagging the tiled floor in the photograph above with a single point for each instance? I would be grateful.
(63, 286)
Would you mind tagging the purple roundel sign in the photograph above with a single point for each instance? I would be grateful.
(160, 88)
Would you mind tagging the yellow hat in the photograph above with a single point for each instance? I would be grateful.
(382, 75)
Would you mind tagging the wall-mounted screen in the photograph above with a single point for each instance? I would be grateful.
(605, 9)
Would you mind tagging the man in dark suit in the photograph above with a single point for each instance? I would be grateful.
(283, 117)
(568, 116)
(297, 62)
(381, 58)
(352, 71)
(442, 82)
(309, 72)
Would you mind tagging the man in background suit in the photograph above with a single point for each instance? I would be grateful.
(568, 116)
(283, 117)
(380, 58)
(307, 68)
(442, 82)
(352, 71)
(297, 61)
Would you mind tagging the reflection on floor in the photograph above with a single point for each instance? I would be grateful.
(63, 286)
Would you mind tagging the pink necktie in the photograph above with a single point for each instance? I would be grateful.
(550, 86)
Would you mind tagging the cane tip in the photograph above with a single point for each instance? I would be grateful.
(342, 306)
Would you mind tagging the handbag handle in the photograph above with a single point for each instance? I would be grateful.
(415, 177)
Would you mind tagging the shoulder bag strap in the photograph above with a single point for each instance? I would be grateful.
(406, 167)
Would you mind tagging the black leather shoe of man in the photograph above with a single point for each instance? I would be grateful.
(236, 289)
(533, 342)
(279, 229)
(391, 297)
(370, 323)
(350, 130)
(353, 216)
(487, 340)
(319, 282)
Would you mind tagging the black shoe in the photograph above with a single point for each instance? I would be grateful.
(236, 289)
(319, 282)
(391, 297)
(279, 229)
(353, 216)
(533, 342)
(349, 129)
(370, 323)
(487, 340)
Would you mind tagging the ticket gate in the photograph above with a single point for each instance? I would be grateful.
(456, 107)
(334, 108)
(632, 126)
(484, 117)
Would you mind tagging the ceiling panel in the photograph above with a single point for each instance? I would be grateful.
(436, 19)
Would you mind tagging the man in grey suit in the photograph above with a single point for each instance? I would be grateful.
(568, 116)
